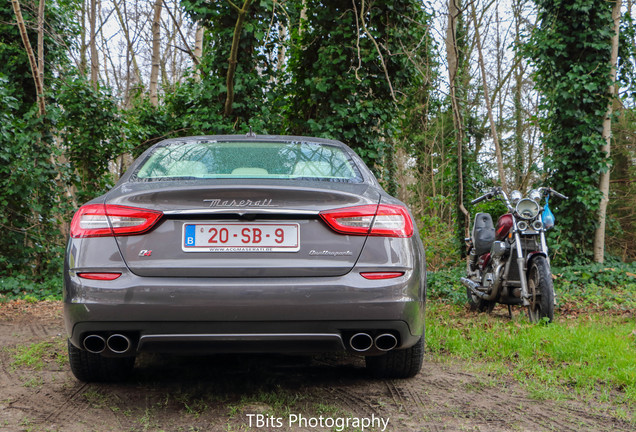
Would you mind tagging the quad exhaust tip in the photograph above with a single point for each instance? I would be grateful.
(118, 343)
(385, 342)
(361, 342)
(94, 344)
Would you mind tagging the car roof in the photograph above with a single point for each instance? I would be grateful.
(254, 137)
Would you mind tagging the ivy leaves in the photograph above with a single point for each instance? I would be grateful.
(571, 51)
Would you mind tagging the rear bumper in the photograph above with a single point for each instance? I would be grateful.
(244, 315)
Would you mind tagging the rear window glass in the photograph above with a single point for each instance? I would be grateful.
(267, 160)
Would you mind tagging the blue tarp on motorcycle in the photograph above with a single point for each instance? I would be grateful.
(547, 216)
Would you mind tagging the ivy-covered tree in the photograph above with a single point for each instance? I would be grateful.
(234, 86)
(31, 184)
(353, 66)
(91, 131)
(571, 49)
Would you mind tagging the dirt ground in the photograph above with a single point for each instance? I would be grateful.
(260, 393)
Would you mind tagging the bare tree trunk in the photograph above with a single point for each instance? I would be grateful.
(82, 60)
(599, 235)
(41, 42)
(453, 68)
(198, 49)
(124, 25)
(518, 107)
(156, 55)
(198, 43)
(231, 70)
(92, 42)
(282, 47)
(493, 126)
(39, 85)
(303, 17)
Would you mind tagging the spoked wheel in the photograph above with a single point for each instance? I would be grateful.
(540, 290)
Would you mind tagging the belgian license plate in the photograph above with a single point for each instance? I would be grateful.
(236, 237)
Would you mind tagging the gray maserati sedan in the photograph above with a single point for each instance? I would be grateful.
(244, 244)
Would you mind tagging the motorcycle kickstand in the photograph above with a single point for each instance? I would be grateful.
(510, 311)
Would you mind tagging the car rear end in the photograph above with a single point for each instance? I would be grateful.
(304, 260)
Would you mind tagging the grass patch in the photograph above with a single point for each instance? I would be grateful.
(592, 356)
(36, 355)
(31, 356)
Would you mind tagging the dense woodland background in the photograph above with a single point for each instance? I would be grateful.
(443, 99)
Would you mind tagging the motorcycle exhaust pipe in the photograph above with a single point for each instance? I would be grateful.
(94, 344)
(118, 343)
(361, 342)
(472, 286)
(385, 342)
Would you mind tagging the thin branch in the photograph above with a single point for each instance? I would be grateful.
(370, 36)
(39, 87)
(185, 42)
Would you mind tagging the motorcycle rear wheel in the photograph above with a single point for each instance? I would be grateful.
(541, 290)
(477, 304)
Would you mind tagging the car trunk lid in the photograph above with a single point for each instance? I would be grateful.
(242, 230)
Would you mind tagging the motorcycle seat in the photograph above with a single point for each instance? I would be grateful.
(483, 233)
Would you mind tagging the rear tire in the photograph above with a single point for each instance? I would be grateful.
(402, 363)
(540, 289)
(477, 304)
(90, 367)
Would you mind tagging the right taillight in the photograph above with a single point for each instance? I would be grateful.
(104, 220)
(383, 220)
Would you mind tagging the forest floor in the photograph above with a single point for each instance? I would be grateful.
(259, 393)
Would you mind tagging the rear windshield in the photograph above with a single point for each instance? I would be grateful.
(266, 160)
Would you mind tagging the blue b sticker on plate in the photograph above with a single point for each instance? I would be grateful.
(190, 231)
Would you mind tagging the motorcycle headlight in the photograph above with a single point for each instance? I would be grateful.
(535, 195)
(527, 209)
(515, 196)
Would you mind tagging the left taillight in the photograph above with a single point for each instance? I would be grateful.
(104, 220)
(382, 220)
(100, 276)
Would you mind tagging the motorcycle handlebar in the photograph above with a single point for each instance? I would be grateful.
(481, 198)
(557, 194)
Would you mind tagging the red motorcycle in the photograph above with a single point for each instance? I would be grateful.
(508, 263)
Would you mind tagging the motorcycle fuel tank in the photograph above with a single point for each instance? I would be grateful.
(504, 224)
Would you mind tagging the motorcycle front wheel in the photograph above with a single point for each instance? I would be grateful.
(540, 290)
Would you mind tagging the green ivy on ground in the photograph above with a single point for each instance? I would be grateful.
(602, 287)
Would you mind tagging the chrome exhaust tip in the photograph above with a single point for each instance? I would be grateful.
(385, 342)
(94, 344)
(361, 342)
(118, 343)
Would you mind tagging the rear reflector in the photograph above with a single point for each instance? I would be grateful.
(104, 220)
(383, 220)
(381, 275)
(99, 276)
